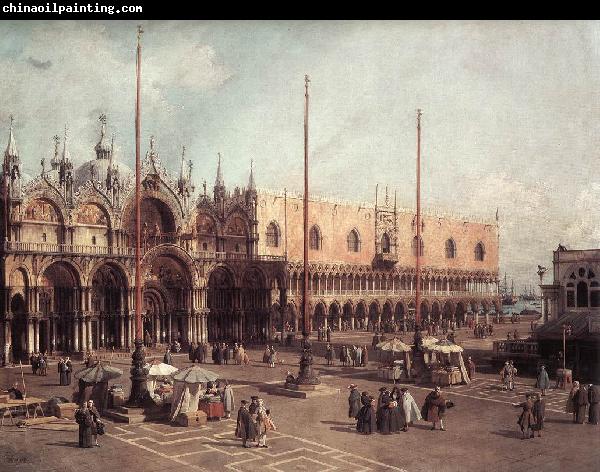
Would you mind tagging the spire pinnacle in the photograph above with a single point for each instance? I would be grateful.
(181, 172)
(65, 154)
(219, 180)
(11, 148)
(251, 184)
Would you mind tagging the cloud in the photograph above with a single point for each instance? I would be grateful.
(39, 64)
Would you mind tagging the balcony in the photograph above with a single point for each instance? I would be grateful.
(392, 293)
(93, 250)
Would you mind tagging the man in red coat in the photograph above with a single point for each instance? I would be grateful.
(434, 408)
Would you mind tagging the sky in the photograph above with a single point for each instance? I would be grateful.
(511, 112)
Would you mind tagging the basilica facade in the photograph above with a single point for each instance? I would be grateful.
(217, 264)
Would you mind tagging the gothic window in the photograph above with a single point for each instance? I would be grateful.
(594, 294)
(44, 237)
(273, 235)
(582, 295)
(315, 240)
(570, 295)
(385, 244)
(414, 246)
(353, 241)
(237, 248)
(94, 240)
(479, 252)
(204, 246)
(450, 249)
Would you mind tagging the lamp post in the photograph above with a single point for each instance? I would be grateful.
(567, 330)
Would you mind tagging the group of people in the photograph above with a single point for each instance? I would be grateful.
(482, 330)
(533, 411)
(220, 353)
(90, 426)
(355, 356)
(39, 363)
(254, 422)
(324, 334)
(270, 356)
(394, 411)
(515, 335)
(584, 398)
(507, 375)
(65, 368)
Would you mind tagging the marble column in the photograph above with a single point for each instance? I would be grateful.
(30, 346)
(88, 324)
(84, 338)
(76, 335)
(121, 330)
(170, 328)
(53, 340)
(36, 335)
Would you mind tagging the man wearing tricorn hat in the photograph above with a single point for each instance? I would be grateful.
(353, 401)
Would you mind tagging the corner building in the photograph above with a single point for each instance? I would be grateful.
(217, 264)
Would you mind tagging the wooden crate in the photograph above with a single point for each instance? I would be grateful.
(66, 410)
(192, 419)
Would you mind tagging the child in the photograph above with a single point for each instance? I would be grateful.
(265, 423)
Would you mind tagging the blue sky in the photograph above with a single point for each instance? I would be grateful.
(510, 110)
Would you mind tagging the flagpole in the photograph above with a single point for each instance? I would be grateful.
(138, 375)
(305, 319)
(418, 245)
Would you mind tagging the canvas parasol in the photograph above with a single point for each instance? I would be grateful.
(195, 375)
(444, 346)
(428, 341)
(98, 373)
(157, 368)
(394, 345)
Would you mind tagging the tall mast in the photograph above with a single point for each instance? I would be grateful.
(418, 271)
(305, 320)
(138, 214)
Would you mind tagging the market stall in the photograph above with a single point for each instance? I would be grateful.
(159, 382)
(93, 384)
(448, 367)
(188, 392)
(395, 358)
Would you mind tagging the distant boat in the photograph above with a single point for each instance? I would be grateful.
(508, 296)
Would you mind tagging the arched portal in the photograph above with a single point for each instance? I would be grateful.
(319, 315)
(60, 281)
(374, 315)
(109, 305)
(436, 313)
(361, 315)
(333, 320)
(168, 305)
(460, 312)
(347, 314)
(220, 303)
(448, 310)
(18, 328)
(255, 305)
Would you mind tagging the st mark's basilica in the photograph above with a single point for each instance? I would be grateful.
(217, 263)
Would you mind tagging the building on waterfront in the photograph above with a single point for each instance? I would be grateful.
(571, 308)
(217, 264)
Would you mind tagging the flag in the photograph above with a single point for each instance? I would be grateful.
(496, 213)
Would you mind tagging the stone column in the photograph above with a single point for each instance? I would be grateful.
(36, 335)
(101, 331)
(84, 337)
(121, 330)
(76, 335)
(157, 328)
(170, 328)
(30, 346)
(88, 324)
(476, 316)
(53, 340)
(487, 317)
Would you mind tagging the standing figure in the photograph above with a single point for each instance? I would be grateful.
(272, 357)
(354, 403)
(69, 369)
(367, 422)
(264, 425)
(365, 356)
(329, 354)
(543, 381)
(84, 419)
(409, 408)
(168, 358)
(384, 413)
(328, 334)
(359, 355)
(228, 400)
(539, 412)
(581, 402)
(245, 429)
(434, 408)
(526, 419)
(571, 406)
(594, 398)
(471, 367)
(192, 352)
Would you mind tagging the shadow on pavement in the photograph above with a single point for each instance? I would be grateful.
(64, 444)
(507, 433)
